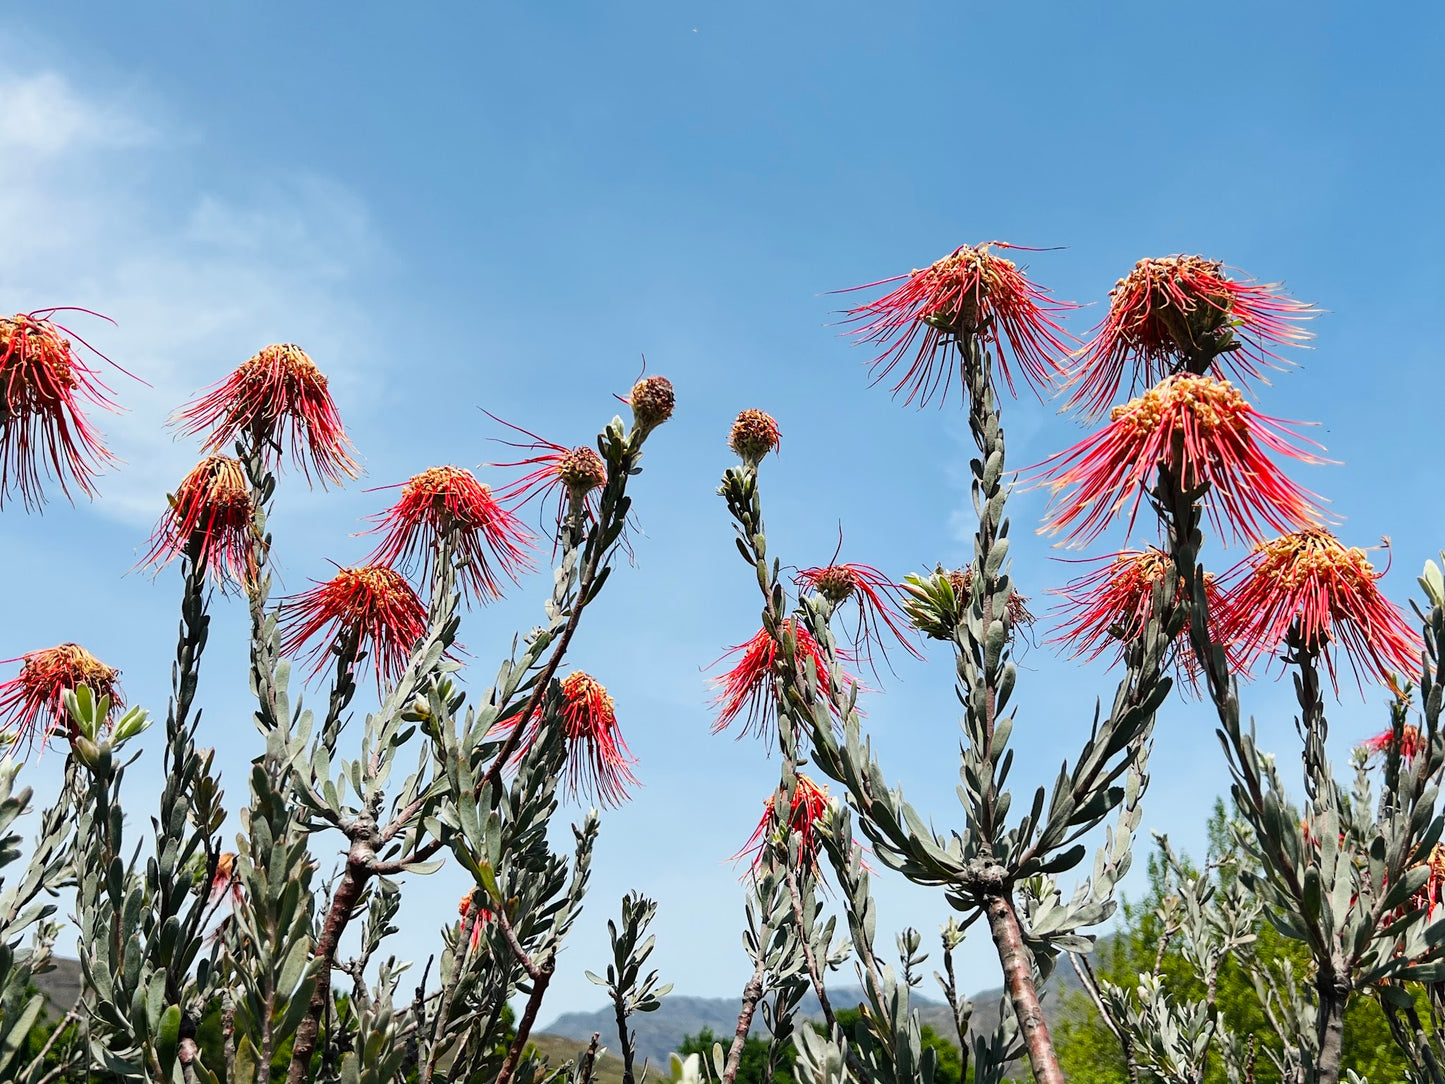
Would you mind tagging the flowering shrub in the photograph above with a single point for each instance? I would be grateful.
(179, 930)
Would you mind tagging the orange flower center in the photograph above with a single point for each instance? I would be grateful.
(582, 470)
(438, 483)
(296, 368)
(34, 364)
(67, 666)
(589, 697)
(219, 484)
(1211, 404)
(754, 434)
(1314, 555)
(369, 587)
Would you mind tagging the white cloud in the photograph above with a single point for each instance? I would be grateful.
(196, 280)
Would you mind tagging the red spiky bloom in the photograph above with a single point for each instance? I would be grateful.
(1308, 588)
(969, 291)
(754, 434)
(225, 882)
(43, 385)
(440, 501)
(211, 511)
(279, 394)
(879, 602)
(556, 470)
(474, 918)
(1108, 608)
(1433, 892)
(1178, 308)
(749, 691)
(599, 764)
(33, 702)
(372, 602)
(1409, 745)
(809, 805)
(1204, 431)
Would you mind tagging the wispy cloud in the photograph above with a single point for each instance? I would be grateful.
(196, 277)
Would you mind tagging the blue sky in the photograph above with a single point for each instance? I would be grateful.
(504, 206)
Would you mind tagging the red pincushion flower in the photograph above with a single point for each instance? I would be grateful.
(652, 400)
(749, 691)
(970, 290)
(1310, 583)
(33, 702)
(490, 539)
(577, 472)
(1169, 310)
(1204, 431)
(1430, 896)
(878, 600)
(43, 384)
(1409, 745)
(599, 764)
(809, 805)
(474, 918)
(226, 882)
(211, 509)
(279, 393)
(373, 602)
(1107, 609)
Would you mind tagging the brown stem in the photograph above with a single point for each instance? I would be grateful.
(752, 994)
(39, 1059)
(950, 994)
(529, 1019)
(623, 1038)
(1090, 983)
(810, 958)
(1331, 1030)
(343, 903)
(1018, 977)
(589, 1059)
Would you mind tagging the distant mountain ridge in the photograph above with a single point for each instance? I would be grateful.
(660, 1033)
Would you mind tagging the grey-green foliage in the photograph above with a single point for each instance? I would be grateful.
(991, 865)
(629, 990)
(172, 928)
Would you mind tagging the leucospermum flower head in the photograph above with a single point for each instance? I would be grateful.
(32, 704)
(210, 510)
(807, 809)
(1203, 431)
(1309, 588)
(652, 400)
(599, 764)
(371, 602)
(490, 539)
(43, 387)
(878, 600)
(1184, 308)
(556, 471)
(754, 434)
(971, 290)
(1410, 742)
(277, 395)
(749, 691)
(226, 882)
(1108, 608)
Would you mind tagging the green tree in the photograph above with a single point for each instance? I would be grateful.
(1089, 1053)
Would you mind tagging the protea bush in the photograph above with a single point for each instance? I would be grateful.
(241, 957)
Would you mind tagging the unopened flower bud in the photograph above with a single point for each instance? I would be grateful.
(754, 435)
(652, 401)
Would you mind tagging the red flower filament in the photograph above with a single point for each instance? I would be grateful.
(1204, 431)
(878, 599)
(808, 807)
(1409, 744)
(279, 393)
(43, 384)
(210, 510)
(749, 691)
(1107, 609)
(556, 470)
(969, 291)
(474, 918)
(1309, 587)
(33, 702)
(372, 602)
(491, 541)
(1178, 308)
